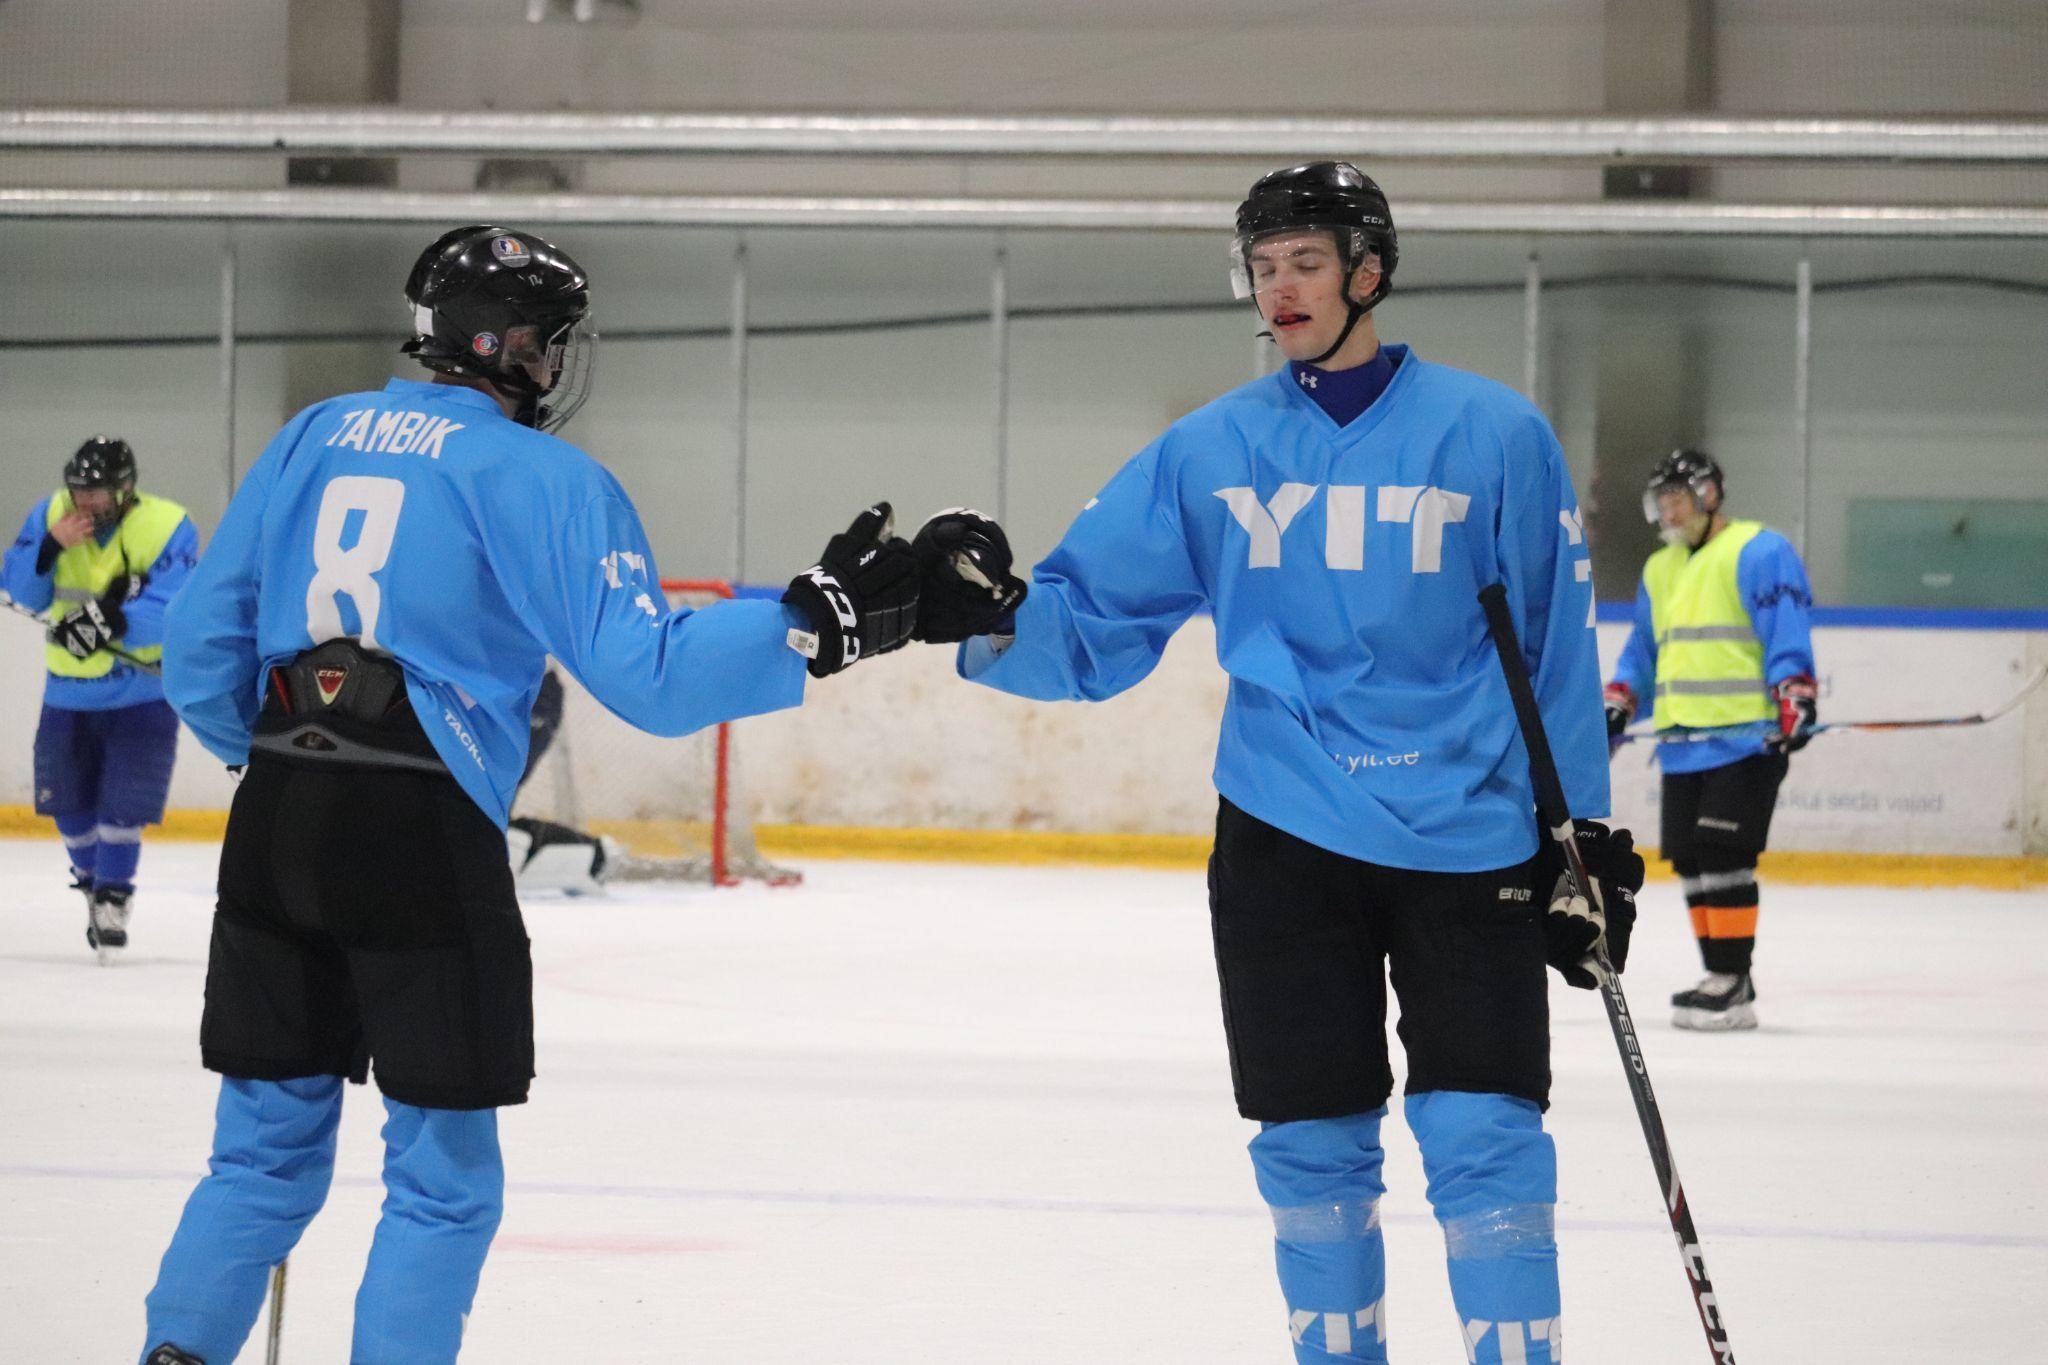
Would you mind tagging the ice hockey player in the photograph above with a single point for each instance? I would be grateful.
(368, 635)
(101, 561)
(1339, 517)
(1723, 641)
(548, 855)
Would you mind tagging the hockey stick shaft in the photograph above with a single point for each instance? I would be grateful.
(1919, 723)
(134, 661)
(274, 1343)
(1556, 817)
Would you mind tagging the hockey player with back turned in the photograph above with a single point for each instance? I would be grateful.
(101, 561)
(1723, 640)
(368, 635)
(1339, 518)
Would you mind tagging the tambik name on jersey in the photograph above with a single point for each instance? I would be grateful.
(401, 432)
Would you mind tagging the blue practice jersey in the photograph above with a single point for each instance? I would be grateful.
(122, 685)
(1772, 582)
(426, 524)
(1367, 711)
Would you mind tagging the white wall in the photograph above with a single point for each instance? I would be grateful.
(902, 742)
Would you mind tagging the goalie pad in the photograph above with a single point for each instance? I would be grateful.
(550, 857)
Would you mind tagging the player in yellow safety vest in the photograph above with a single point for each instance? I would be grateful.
(100, 562)
(1723, 644)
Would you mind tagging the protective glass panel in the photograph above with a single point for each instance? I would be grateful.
(114, 328)
(870, 374)
(1653, 345)
(1930, 400)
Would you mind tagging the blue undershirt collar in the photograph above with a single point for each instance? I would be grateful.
(1344, 394)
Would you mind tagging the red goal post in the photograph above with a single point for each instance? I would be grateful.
(676, 808)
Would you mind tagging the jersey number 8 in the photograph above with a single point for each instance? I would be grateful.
(350, 568)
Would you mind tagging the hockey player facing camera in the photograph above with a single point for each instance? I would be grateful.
(368, 636)
(1339, 518)
(1722, 641)
(101, 562)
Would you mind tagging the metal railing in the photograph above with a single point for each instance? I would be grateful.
(393, 132)
(1596, 217)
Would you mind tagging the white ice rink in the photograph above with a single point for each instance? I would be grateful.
(937, 1114)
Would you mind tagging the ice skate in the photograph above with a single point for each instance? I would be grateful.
(1720, 1003)
(168, 1354)
(107, 923)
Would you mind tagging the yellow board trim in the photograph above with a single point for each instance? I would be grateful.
(1189, 851)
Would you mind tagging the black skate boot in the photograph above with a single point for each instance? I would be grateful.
(168, 1354)
(1719, 1004)
(107, 923)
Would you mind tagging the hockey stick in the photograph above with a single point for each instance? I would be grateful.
(276, 1338)
(134, 661)
(1924, 723)
(1556, 817)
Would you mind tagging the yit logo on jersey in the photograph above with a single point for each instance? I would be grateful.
(1425, 508)
(1339, 1327)
(1351, 763)
(634, 565)
(1513, 1340)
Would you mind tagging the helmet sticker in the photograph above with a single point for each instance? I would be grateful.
(511, 251)
(484, 344)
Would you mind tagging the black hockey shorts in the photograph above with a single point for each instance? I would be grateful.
(1722, 814)
(367, 920)
(1305, 941)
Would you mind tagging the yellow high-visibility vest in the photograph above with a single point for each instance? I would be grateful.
(1710, 665)
(88, 569)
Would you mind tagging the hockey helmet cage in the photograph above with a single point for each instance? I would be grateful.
(496, 304)
(1689, 469)
(104, 462)
(1334, 196)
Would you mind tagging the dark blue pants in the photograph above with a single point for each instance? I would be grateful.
(102, 776)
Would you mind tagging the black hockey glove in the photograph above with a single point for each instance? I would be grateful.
(1620, 704)
(85, 629)
(968, 587)
(860, 597)
(1798, 699)
(1572, 929)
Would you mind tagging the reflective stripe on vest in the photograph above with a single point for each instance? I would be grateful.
(88, 569)
(1710, 665)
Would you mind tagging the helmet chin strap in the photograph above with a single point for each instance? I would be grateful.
(1350, 322)
(1358, 311)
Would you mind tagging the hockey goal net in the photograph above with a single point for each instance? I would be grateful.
(676, 806)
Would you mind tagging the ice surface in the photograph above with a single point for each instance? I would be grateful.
(924, 1113)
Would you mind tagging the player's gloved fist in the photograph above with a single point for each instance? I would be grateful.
(1621, 709)
(89, 627)
(968, 587)
(1575, 930)
(1798, 712)
(860, 598)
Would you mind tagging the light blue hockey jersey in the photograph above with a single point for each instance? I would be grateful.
(1772, 582)
(1367, 713)
(425, 523)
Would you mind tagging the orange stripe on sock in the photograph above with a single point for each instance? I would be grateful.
(1699, 920)
(1724, 922)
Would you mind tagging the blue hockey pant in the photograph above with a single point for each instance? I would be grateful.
(273, 1157)
(1492, 1175)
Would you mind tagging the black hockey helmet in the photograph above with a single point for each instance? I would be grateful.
(103, 462)
(492, 303)
(1692, 470)
(1332, 195)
